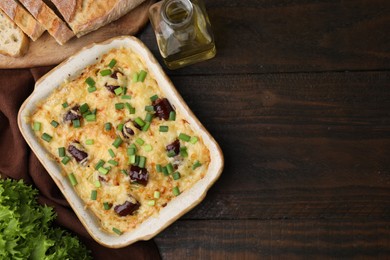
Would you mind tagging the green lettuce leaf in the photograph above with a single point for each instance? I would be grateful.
(26, 227)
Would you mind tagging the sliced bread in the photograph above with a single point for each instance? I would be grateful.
(13, 41)
(46, 16)
(84, 16)
(22, 18)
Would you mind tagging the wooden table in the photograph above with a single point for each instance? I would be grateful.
(298, 97)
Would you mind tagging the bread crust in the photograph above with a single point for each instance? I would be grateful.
(22, 43)
(84, 16)
(22, 18)
(46, 16)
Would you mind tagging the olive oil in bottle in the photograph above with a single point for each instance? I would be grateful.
(183, 32)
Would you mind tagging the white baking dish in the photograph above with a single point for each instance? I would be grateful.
(71, 68)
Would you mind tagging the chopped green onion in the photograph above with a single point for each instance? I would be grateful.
(130, 151)
(156, 194)
(176, 191)
(148, 117)
(139, 141)
(118, 141)
(106, 205)
(142, 76)
(105, 72)
(98, 184)
(196, 165)
(130, 108)
(90, 82)
(124, 172)
(117, 231)
(65, 160)
(72, 179)
(61, 151)
(139, 121)
(54, 123)
(87, 113)
(91, 89)
(172, 116)
(84, 108)
(135, 77)
(149, 108)
(46, 137)
(119, 106)
(111, 152)
(151, 202)
(103, 170)
(124, 93)
(107, 126)
(184, 137)
(37, 126)
(154, 98)
(176, 175)
(118, 91)
(65, 105)
(89, 142)
(76, 123)
(194, 140)
(171, 153)
(148, 148)
(113, 162)
(170, 168)
(94, 111)
(112, 63)
(120, 127)
(165, 171)
(133, 159)
(93, 194)
(142, 161)
(163, 128)
(146, 127)
(91, 118)
(158, 168)
(183, 152)
(99, 164)
(126, 97)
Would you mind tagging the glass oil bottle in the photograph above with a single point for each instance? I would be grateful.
(183, 32)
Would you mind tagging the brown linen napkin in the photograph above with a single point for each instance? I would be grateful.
(19, 162)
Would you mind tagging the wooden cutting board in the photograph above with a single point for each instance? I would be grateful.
(46, 51)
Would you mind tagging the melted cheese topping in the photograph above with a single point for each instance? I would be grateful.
(116, 187)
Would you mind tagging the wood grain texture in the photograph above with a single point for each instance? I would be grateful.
(296, 145)
(306, 171)
(259, 36)
(276, 239)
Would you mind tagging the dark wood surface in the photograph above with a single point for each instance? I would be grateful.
(298, 97)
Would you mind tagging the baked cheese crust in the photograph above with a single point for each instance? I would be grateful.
(126, 150)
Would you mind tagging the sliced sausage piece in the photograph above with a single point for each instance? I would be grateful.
(174, 146)
(129, 129)
(127, 208)
(73, 114)
(162, 108)
(111, 88)
(114, 75)
(140, 175)
(78, 152)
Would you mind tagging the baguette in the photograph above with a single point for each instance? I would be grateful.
(53, 24)
(22, 18)
(13, 41)
(84, 16)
